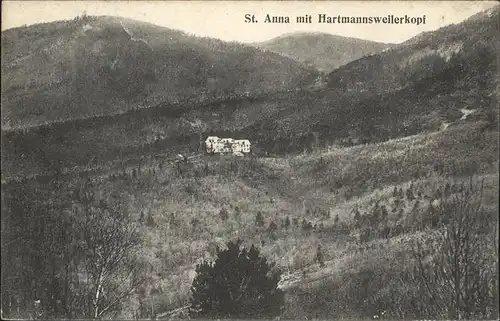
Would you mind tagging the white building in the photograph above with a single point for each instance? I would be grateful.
(227, 145)
(213, 144)
(216, 145)
(241, 145)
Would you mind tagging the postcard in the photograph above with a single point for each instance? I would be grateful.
(258, 160)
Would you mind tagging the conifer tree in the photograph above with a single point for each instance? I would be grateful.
(384, 215)
(409, 193)
(357, 218)
(319, 256)
(150, 221)
(447, 190)
(259, 219)
(239, 284)
(141, 218)
(287, 222)
(224, 215)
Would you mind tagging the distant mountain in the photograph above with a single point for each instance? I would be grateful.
(106, 65)
(468, 49)
(323, 51)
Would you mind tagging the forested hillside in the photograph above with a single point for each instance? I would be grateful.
(469, 48)
(93, 66)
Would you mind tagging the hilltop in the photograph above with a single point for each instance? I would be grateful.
(323, 51)
(93, 66)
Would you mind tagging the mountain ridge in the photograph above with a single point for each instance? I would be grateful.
(421, 56)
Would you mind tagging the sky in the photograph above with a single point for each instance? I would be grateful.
(226, 19)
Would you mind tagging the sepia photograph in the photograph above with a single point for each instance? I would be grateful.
(250, 160)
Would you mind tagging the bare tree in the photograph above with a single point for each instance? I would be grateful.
(108, 252)
(457, 264)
